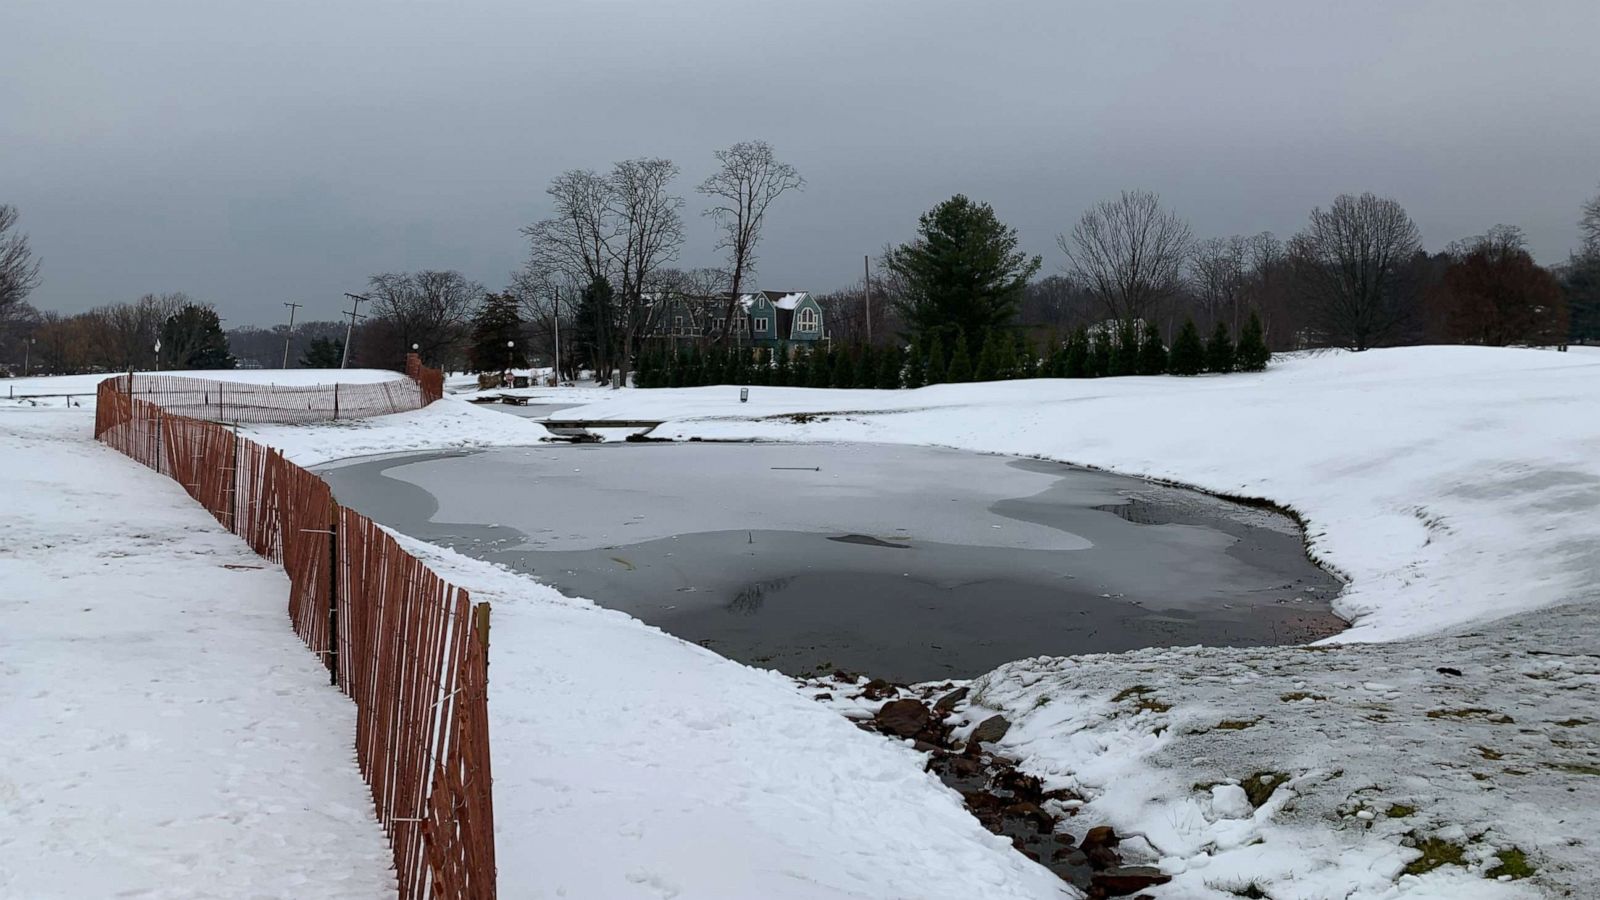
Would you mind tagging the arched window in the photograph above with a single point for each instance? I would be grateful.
(808, 320)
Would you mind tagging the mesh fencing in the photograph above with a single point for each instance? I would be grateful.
(408, 647)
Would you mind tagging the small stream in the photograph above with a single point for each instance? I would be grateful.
(909, 563)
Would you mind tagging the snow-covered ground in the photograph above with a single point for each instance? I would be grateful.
(50, 386)
(1457, 488)
(163, 733)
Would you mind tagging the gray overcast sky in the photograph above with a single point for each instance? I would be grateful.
(251, 153)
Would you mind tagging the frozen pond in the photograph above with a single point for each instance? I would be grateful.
(908, 563)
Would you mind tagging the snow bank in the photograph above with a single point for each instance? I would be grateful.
(629, 763)
(1449, 484)
(59, 385)
(163, 733)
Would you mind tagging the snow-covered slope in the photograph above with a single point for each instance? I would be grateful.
(163, 733)
(59, 385)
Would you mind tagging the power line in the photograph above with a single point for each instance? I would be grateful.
(290, 333)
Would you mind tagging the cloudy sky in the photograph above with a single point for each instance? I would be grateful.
(252, 153)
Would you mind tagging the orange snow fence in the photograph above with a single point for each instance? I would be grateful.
(408, 647)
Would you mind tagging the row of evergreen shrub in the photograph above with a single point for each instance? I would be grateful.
(1004, 355)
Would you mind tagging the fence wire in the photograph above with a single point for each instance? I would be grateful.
(408, 647)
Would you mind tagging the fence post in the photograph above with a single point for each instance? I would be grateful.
(480, 621)
(233, 490)
(336, 401)
(333, 593)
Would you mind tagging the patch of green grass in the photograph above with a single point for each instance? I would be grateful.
(1236, 724)
(1577, 768)
(1513, 862)
(1436, 852)
(1294, 696)
(1140, 695)
(1472, 713)
(1400, 811)
(1260, 785)
(1251, 890)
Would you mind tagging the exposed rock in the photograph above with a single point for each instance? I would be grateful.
(990, 730)
(949, 701)
(1447, 670)
(877, 689)
(823, 696)
(1099, 845)
(902, 718)
(1122, 881)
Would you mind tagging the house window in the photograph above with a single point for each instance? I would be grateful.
(761, 323)
(677, 324)
(808, 320)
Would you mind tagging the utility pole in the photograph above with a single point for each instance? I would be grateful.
(355, 303)
(290, 333)
(555, 306)
(866, 284)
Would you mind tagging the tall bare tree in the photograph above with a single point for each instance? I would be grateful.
(1129, 252)
(1349, 262)
(429, 309)
(1588, 226)
(1220, 272)
(750, 179)
(649, 223)
(19, 270)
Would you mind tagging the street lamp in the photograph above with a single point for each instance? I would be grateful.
(511, 360)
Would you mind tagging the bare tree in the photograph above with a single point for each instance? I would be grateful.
(19, 270)
(577, 240)
(1349, 262)
(429, 309)
(650, 232)
(1129, 252)
(749, 180)
(1588, 226)
(1220, 273)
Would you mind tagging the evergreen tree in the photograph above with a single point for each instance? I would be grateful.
(675, 370)
(844, 369)
(591, 338)
(1100, 353)
(1252, 354)
(324, 353)
(1152, 354)
(819, 369)
(1027, 358)
(192, 338)
(1078, 354)
(1188, 356)
(962, 272)
(1055, 361)
(1126, 359)
(866, 367)
(890, 362)
(960, 370)
(1219, 350)
(935, 369)
(916, 366)
(1005, 356)
(779, 368)
(495, 323)
(988, 367)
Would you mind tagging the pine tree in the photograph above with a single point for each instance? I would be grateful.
(1005, 356)
(1100, 353)
(916, 366)
(1078, 354)
(1188, 356)
(866, 368)
(1027, 358)
(192, 338)
(960, 370)
(1252, 354)
(1152, 354)
(1127, 352)
(779, 368)
(324, 353)
(988, 368)
(936, 368)
(676, 370)
(843, 371)
(1055, 362)
(819, 368)
(890, 362)
(1219, 350)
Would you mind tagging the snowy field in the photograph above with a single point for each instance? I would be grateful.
(1457, 489)
(162, 731)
